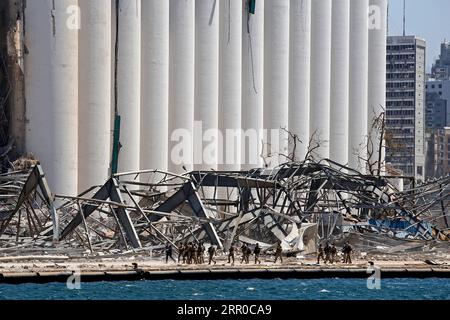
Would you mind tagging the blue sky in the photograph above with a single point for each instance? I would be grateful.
(429, 19)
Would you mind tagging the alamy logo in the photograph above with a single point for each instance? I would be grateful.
(374, 281)
(74, 281)
(375, 18)
(73, 22)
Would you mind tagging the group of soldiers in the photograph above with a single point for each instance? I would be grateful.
(192, 253)
(246, 253)
(329, 253)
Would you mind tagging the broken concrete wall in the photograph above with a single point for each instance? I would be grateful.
(12, 100)
(16, 50)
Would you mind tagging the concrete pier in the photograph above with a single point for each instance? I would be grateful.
(93, 272)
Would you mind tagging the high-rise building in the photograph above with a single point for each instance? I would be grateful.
(438, 162)
(436, 112)
(439, 90)
(441, 68)
(405, 105)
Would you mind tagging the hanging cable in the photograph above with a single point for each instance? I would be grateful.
(229, 21)
(251, 8)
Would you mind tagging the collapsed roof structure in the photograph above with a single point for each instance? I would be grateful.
(297, 203)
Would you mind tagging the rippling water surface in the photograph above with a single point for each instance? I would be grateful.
(320, 289)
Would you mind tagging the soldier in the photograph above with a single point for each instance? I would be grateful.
(203, 253)
(231, 255)
(347, 250)
(186, 253)
(257, 251)
(169, 251)
(181, 253)
(244, 252)
(333, 252)
(247, 256)
(189, 253)
(194, 253)
(320, 254)
(327, 252)
(212, 252)
(278, 252)
(200, 251)
(349, 255)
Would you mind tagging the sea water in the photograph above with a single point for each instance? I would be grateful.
(319, 289)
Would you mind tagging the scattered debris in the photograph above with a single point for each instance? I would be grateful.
(298, 203)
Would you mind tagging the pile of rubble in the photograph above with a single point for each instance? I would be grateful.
(298, 203)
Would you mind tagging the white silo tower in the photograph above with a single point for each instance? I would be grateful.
(377, 73)
(276, 71)
(207, 16)
(155, 84)
(39, 128)
(54, 25)
(320, 75)
(340, 81)
(182, 81)
(129, 83)
(94, 93)
(359, 67)
(230, 83)
(252, 84)
(300, 72)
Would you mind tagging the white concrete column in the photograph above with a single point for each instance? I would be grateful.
(52, 92)
(129, 83)
(207, 16)
(340, 63)
(377, 77)
(252, 85)
(359, 68)
(230, 84)
(320, 76)
(182, 84)
(155, 84)
(276, 82)
(300, 73)
(94, 104)
(39, 128)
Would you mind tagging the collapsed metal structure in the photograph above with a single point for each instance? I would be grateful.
(298, 203)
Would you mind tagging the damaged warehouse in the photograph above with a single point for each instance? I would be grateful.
(300, 204)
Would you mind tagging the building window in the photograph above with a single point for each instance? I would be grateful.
(420, 170)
